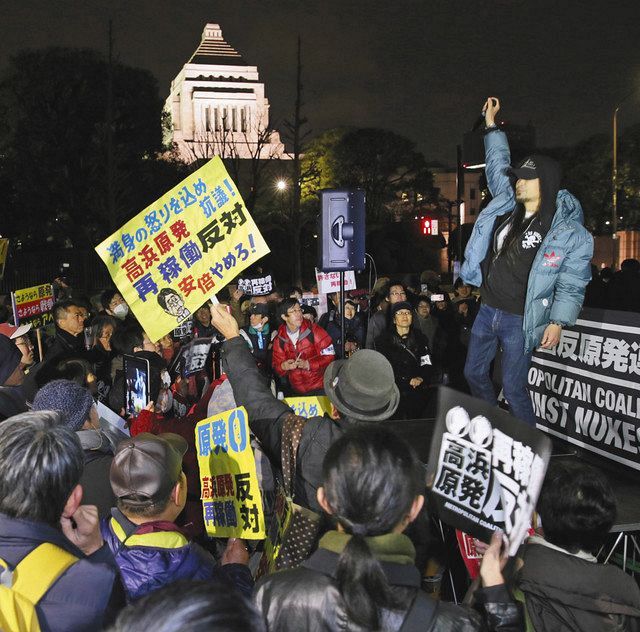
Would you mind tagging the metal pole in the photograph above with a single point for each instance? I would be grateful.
(459, 196)
(342, 336)
(614, 187)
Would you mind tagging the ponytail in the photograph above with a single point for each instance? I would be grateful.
(371, 478)
(363, 584)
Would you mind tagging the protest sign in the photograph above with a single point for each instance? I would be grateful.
(485, 468)
(231, 500)
(33, 305)
(4, 252)
(185, 247)
(309, 406)
(329, 282)
(256, 286)
(317, 301)
(587, 389)
(184, 331)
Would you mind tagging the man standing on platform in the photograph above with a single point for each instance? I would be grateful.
(530, 255)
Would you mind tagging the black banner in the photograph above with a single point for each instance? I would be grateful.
(587, 389)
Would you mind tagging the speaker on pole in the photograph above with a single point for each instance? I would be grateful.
(341, 230)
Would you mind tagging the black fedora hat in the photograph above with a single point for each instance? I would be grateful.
(362, 387)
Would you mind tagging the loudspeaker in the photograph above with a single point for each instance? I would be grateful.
(341, 230)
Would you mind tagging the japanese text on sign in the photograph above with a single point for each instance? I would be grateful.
(485, 475)
(33, 305)
(309, 406)
(329, 282)
(231, 501)
(587, 390)
(183, 248)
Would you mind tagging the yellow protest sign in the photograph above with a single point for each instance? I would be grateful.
(33, 305)
(4, 251)
(231, 501)
(178, 252)
(309, 406)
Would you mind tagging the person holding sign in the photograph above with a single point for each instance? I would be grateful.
(530, 255)
(363, 575)
(150, 550)
(361, 389)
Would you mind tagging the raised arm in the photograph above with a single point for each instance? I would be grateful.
(497, 154)
(249, 388)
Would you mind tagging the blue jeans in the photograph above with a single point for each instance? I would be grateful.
(493, 326)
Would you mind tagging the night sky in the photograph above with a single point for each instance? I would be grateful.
(420, 68)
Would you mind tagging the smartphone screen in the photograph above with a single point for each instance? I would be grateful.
(136, 384)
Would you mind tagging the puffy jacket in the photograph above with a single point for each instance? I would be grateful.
(315, 345)
(87, 596)
(307, 598)
(561, 268)
(161, 555)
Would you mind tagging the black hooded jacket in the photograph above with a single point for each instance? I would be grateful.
(506, 271)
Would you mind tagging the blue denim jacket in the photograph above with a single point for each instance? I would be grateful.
(561, 268)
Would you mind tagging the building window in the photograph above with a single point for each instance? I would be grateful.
(207, 119)
(472, 194)
(472, 211)
(234, 119)
(216, 114)
(243, 120)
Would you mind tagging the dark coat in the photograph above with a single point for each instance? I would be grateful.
(64, 343)
(354, 327)
(98, 448)
(147, 565)
(564, 593)
(307, 598)
(409, 356)
(87, 596)
(266, 418)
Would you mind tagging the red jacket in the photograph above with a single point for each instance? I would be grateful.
(315, 345)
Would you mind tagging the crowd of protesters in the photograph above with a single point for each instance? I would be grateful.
(122, 513)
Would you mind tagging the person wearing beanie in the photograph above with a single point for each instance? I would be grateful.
(407, 349)
(79, 412)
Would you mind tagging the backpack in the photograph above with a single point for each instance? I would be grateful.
(23, 587)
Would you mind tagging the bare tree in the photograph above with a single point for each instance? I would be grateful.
(296, 217)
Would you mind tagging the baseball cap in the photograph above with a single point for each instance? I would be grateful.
(260, 308)
(526, 170)
(146, 467)
(13, 332)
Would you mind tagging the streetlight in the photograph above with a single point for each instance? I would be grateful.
(614, 180)
(281, 185)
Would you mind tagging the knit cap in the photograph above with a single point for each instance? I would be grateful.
(67, 397)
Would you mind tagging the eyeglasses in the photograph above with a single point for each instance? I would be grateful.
(397, 294)
(294, 310)
(24, 343)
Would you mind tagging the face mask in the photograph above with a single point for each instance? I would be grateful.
(165, 401)
(120, 311)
